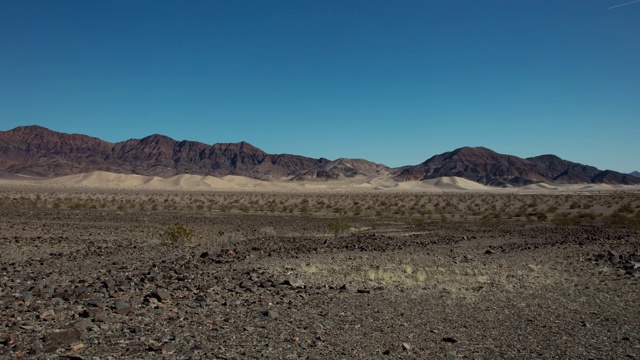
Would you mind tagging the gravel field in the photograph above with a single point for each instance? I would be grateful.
(105, 275)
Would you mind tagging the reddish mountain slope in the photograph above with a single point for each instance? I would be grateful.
(37, 151)
(490, 168)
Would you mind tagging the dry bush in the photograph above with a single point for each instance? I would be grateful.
(177, 234)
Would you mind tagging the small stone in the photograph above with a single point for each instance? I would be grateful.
(489, 252)
(94, 303)
(449, 340)
(63, 337)
(167, 349)
(83, 324)
(271, 314)
(294, 282)
(161, 296)
(100, 316)
(246, 284)
(74, 356)
(346, 288)
(406, 346)
(121, 305)
(47, 314)
(76, 346)
(153, 302)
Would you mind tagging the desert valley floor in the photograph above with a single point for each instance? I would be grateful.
(96, 273)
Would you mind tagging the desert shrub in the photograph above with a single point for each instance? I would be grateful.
(619, 219)
(268, 231)
(177, 234)
(541, 216)
(338, 227)
(579, 218)
(625, 209)
(77, 206)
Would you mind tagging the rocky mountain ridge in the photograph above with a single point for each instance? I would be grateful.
(37, 151)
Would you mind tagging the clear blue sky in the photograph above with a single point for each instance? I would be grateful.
(392, 81)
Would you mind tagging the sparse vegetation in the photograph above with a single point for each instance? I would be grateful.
(177, 234)
(338, 227)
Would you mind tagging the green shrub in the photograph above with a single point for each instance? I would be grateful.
(177, 234)
(338, 227)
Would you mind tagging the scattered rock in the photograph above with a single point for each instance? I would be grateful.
(83, 324)
(94, 303)
(161, 296)
(63, 337)
(46, 314)
(346, 288)
(74, 357)
(76, 346)
(271, 314)
(122, 307)
(294, 282)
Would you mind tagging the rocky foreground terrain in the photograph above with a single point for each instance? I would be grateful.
(103, 282)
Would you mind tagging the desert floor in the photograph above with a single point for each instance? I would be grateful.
(105, 274)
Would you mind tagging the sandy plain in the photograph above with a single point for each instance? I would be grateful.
(367, 269)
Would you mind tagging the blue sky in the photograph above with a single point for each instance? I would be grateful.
(394, 82)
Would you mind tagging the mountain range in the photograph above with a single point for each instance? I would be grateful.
(37, 151)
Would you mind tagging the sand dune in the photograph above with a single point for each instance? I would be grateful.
(456, 183)
(186, 182)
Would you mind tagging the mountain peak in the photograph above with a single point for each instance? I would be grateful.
(488, 167)
(38, 151)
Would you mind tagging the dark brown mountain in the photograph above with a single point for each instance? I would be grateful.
(37, 151)
(490, 168)
(342, 168)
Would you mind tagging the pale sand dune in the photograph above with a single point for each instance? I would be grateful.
(453, 182)
(185, 182)
(539, 187)
(442, 184)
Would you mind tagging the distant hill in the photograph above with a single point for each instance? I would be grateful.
(343, 168)
(37, 151)
(487, 167)
(635, 173)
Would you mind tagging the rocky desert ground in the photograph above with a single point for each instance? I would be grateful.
(144, 274)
